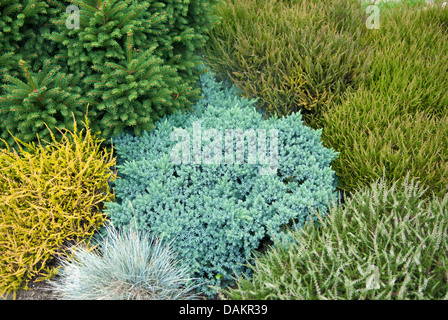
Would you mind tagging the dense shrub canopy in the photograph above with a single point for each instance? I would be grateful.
(294, 55)
(49, 196)
(385, 243)
(372, 133)
(217, 214)
(133, 61)
(398, 119)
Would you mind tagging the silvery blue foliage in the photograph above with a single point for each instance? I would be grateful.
(217, 214)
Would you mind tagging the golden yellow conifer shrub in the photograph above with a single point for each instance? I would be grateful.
(50, 196)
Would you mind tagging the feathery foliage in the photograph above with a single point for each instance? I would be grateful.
(398, 119)
(125, 265)
(371, 132)
(409, 61)
(49, 197)
(385, 243)
(293, 56)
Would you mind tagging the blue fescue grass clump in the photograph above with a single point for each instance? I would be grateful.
(216, 215)
(126, 265)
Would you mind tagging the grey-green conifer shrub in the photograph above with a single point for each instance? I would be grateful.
(127, 265)
(385, 243)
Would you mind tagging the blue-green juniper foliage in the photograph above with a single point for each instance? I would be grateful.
(218, 214)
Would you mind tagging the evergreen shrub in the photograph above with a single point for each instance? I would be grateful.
(134, 61)
(49, 196)
(385, 243)
(409, 61)
(398, 120)
(217, 215)
(372, 132)
(300, 55)
(47, 99)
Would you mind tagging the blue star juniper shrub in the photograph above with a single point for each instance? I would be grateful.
(216, 215)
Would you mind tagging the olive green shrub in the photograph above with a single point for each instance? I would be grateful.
(371, 132)
(292, 55)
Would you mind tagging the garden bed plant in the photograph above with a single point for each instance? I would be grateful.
(348, 201)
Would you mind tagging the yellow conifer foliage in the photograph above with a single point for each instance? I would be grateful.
(49, 197)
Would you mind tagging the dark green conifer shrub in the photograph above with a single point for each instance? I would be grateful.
(218, 213)
(136, 60)
(19, 21)
(48, 99)
(137, 92)
(23, 27)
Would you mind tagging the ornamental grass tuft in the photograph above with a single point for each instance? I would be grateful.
(125, 265)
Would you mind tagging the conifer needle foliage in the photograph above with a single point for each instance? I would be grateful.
(133, 61)
(45, 100)
(217, 215)
(138, 91)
